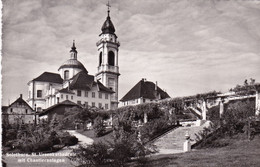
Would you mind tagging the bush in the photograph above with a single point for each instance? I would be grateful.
(234, 121)
(99, 127)
(155, 128)
(69, 140)
(91, 156)
(11, 134)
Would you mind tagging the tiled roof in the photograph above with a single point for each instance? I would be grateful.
(64, 103)
(82, 81)
(66, 90)
(21, 101)
(145, 89)
(102, 88)
(49, 77)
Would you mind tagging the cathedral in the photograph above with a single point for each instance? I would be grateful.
(74, 83)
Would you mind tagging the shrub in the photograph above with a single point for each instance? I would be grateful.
(69, 140)
(91, 156)
(99, 127)
(234, 121)
(153, 129)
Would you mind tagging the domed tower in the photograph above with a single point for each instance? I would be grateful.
(108, 69)
(72, 66)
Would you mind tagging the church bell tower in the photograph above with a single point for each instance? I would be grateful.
(108, 69)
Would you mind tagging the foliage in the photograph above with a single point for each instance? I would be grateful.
(246, 89)
(233, 121)
(43, 137)
(153, 129)
(126, 145)
(112, 154)
(99, 127)
(69, 140)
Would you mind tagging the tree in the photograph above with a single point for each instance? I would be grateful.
(99, 127)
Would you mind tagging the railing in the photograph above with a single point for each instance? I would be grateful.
(108, 68)
(110, 41)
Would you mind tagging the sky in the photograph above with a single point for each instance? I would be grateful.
(187, 46)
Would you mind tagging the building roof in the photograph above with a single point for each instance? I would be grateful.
(66, 90)
(102, 88)
(73, 63)
(82, 81)
(63, 103)
(145, 89)
(49, 77)
(21, 101)
(108, 26)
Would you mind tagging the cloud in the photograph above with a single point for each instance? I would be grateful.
(187, 46)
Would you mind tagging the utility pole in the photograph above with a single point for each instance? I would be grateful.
(35, 120)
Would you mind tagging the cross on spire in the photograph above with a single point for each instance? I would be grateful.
(108, 6)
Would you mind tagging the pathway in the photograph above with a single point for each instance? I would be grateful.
(172, 142)
(84, 140)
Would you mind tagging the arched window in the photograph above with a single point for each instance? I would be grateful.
(111, 58)
(100, 58)
(66, 74)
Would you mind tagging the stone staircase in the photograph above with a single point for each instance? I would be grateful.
(172, 141)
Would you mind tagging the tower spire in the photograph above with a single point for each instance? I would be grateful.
(73, 51)
(108, 8)
(108, 26)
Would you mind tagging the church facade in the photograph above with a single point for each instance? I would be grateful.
(73, 83)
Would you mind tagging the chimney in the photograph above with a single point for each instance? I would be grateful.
(21, 96)
(155, 86)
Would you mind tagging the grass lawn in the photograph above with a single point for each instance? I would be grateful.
(240, 153)
(91, 134)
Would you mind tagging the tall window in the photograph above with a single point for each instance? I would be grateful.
(78, 92)
(93, 104)
(79, 102)
(39, 93)
(66, 74)
(100, 58)
(106, 106)
(93, 94)
(111, 58)
(71, 97)
(61, 96)
(100, 95)
(106, 96)
(86, 93)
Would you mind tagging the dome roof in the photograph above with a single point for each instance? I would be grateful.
(108, 26)
(73, 63)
